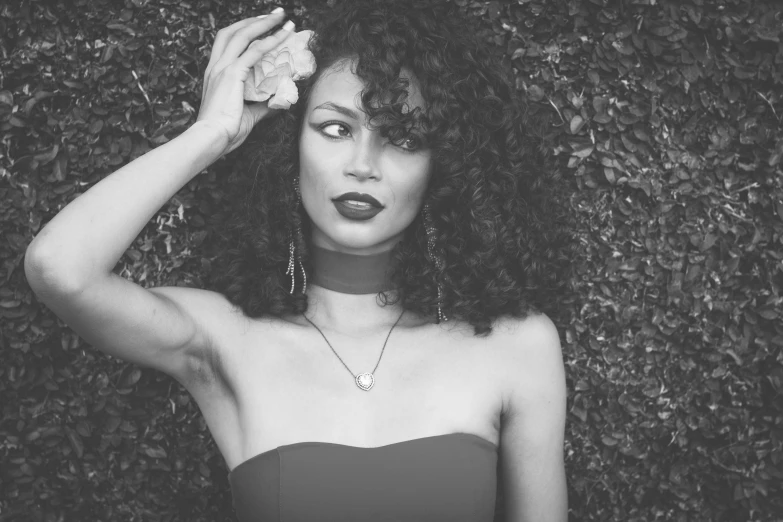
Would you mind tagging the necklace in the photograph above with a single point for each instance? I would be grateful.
(366, 380)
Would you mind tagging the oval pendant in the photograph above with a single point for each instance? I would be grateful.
(365, 381)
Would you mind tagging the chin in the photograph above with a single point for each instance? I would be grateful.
(352, 237)
(355, 243)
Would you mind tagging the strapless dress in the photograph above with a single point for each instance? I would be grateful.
(442, 478)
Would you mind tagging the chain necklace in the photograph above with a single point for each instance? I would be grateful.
(366, 380)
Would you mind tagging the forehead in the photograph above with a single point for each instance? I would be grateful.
(341, 86)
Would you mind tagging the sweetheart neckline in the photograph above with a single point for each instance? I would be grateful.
(493, 446)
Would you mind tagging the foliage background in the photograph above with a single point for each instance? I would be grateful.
(667, 122)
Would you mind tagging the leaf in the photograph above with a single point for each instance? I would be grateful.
(623, 47)
(121, 27)
(656, 49)
(677, 36)
(576, 100)
(628, 119)
(75, 440)
(691, 72)
(40, 95)
(96, 126)
(745, 72)
(130, 376)
(60, 168)
(576, 124)
(602, 117)
(661, 29)
(693, 13)
(155, 452)
(112, 423)
(74, 85)
(48, 155)
(640, 133)
(493, 10)
(535, 92)
(709, 240)
(631, 146)
(581, 148)
(600, 103)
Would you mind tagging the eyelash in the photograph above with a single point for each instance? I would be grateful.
(328, 123)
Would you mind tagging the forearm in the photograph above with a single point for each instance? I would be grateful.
(87, 237)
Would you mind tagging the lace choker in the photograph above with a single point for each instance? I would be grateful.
(351, 273)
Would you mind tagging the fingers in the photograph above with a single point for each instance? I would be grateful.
(231, 41)
(259, 48)
(223, 37)
(242, 41)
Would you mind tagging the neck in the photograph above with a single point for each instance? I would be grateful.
(351, 273)
(350, 314)
(343, 292)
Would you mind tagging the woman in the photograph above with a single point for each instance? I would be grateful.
(404, 111)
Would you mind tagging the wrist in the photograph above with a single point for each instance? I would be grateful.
(219, 136)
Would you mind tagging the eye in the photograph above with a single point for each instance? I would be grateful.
(331, 124)
(416, 142)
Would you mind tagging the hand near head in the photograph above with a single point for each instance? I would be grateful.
(233, 56)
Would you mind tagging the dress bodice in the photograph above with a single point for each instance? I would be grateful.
(442, 478)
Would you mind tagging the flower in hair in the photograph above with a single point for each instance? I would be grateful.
(274, 75)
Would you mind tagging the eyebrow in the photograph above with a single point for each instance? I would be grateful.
(338, 108)
(348, 112)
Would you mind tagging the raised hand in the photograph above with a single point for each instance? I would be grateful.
(233, 55)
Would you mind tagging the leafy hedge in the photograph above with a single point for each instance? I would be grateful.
(667, 119)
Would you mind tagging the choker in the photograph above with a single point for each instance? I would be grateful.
(351, 273)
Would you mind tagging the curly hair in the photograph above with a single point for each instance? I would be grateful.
(502, 243)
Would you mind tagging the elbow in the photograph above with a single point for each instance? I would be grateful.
(33, 264)
(35, 269)
(44, 274)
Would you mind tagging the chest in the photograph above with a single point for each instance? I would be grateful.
(283, 385)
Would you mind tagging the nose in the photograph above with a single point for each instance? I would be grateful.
(362, 163)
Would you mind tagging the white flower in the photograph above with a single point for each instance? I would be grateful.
(274, 75)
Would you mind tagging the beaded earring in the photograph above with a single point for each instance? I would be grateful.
(428, 226)
(292, 249)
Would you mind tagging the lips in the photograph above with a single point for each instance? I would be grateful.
(353, 211)
(357, 196)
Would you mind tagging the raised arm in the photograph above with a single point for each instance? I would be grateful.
(69, 264)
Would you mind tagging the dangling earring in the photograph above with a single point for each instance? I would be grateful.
(430, 247)
(291, 248)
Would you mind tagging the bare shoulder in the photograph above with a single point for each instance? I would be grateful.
(528, 336)
(532, 359)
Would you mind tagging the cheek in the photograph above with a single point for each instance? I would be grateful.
(312, 167)
(413, 191)
(409, 197)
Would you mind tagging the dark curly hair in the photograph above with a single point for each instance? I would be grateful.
(503, 244)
